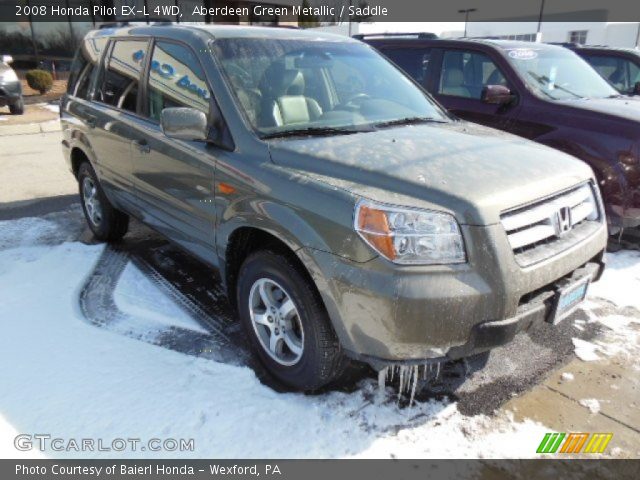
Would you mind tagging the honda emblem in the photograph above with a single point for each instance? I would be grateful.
(563, 221)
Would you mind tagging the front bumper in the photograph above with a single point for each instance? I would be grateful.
(387, 314)
(10, 92)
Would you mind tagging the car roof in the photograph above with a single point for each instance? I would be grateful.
(220, 31)
(605, 48)
(489, 42)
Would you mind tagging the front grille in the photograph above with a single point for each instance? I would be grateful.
(549, 226)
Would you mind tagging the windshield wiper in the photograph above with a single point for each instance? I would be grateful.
(544, 80)
(407, 121)
(314, 131)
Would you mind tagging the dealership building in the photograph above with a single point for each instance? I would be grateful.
(32, 42)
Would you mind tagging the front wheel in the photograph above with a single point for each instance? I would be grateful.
(287, 324)
(106, 222)
(17, 108)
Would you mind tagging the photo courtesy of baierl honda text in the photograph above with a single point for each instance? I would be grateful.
(319, 239)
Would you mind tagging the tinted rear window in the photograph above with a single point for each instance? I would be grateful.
(119, 86)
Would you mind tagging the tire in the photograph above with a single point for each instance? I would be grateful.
(321, 360)
(107, 223)
(17, 108)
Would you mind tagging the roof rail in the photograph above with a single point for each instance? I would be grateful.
(422, 35)
(566, 44)
(126, 23)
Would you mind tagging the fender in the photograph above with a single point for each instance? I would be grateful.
(271, 218)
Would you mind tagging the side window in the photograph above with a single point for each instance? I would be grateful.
(414, 61)
(78, 66)
(619, 72)
(84, 66)
(83, 82)
(120, 81)
(465, 74)
(176, 79)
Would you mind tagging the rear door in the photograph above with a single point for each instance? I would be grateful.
(460, 79)
(174, 178)
(113, 115)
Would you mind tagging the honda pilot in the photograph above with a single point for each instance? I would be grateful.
(349, 216)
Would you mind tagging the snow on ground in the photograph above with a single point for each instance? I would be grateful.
(137, 296)
(53, 107)
(592, 404)
(620, 284)
(74, 380)
(585, 351)
(567, 377)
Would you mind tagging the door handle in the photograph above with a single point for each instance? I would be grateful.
(91, 122)
(142, 146)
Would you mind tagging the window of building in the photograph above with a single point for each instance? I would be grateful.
(578, 36)
(524, 37)
(120, 82)
(465, 74)
(176, 79)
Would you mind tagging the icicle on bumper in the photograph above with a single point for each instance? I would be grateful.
(408, 377)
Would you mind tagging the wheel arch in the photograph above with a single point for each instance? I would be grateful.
(246, 239)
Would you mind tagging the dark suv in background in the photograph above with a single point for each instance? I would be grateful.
(619, 66)
(538, 91)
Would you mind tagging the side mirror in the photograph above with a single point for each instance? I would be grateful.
(184, 123)
(496, 94)
(636, 89)
(7, 59)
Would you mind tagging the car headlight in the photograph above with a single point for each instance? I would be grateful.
(9, 76)
(408, 236)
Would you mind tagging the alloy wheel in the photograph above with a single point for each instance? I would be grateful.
(91, 201)
(276, 322)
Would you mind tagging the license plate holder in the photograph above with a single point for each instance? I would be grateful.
(568, 298)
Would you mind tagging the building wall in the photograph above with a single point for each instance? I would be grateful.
(598, 33)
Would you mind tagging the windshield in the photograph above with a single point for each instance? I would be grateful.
(289, 85)
(558, 74)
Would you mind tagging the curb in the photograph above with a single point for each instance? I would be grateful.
(30, 128)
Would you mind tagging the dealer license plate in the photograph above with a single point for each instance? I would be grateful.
(569, 298)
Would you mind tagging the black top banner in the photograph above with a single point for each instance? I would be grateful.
(312, 12)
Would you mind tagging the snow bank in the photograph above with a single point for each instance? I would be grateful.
(74, 380)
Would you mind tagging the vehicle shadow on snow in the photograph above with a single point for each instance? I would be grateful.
(478, 385)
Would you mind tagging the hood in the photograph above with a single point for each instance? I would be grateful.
(470, 171)
(627, 108)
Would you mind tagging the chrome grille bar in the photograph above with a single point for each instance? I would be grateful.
(549, 220)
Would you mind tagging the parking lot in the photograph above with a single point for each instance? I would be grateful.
(140, 335)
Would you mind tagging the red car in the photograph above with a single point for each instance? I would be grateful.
(538, 91)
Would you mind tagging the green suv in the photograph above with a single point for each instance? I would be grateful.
(349, 216)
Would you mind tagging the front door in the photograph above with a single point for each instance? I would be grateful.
(463, 75)
(173, 179)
